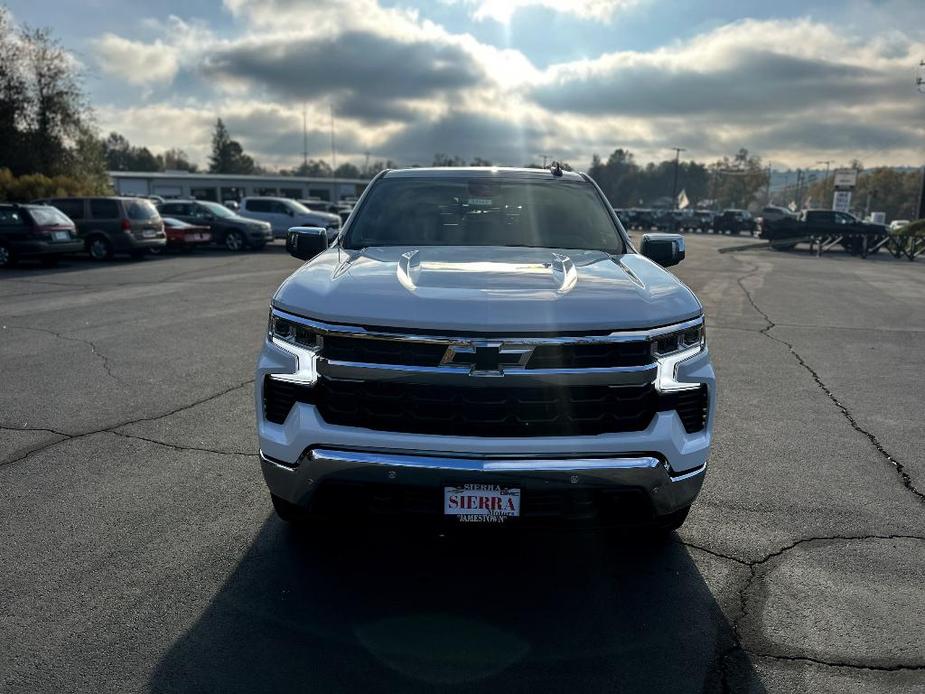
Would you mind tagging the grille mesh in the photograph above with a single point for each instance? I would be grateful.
(492, 411)
(692, 407)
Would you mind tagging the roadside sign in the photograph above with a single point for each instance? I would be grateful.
(841, 200)
(845, 178)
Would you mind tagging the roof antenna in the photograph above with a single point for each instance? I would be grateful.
(556, 169)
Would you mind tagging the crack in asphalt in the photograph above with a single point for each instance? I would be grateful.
(719, 555)
(93, 348)
(112, 429)
(180, 447)
(754, 566)
(852, 420)
(839, 664)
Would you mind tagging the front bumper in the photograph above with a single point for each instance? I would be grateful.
(647, 477)
(265, 235)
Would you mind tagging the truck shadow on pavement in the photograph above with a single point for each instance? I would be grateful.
(385, 611)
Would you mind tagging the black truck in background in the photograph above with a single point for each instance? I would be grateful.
(809, 225)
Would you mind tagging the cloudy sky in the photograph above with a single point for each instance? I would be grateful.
(796, 81)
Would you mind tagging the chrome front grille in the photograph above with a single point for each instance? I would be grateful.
(545, 355)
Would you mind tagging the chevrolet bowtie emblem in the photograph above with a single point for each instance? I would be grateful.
(486, 358)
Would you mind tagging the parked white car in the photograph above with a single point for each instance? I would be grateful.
(898, 224)
(283, 213)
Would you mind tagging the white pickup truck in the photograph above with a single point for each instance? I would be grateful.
(485, 346)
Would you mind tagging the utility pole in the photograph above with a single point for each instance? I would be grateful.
(920, 85)
(674, 184)
(768, 189)
(333, 157)
(825, 183)
(304, 140)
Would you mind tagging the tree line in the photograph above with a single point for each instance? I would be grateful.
(46, 124)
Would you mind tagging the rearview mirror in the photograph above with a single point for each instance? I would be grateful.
(664, 249)
(305, 243)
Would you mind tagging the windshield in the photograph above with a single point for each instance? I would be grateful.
(484, 212)
(218, 210)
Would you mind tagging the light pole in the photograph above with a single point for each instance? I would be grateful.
(674, 184)
(333, 158)
(825, 183)
(920, 85)
(768, 188)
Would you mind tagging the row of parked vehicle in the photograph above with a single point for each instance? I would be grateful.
(731, 221)
(48, 229)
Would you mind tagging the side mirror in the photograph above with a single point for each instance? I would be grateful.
(290, 212)
(664, 249)
(305, 243)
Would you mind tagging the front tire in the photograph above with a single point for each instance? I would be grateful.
(673, 521)
(234, 241)
(287, 511)
(7, 257)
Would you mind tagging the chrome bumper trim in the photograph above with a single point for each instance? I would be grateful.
(298, 483)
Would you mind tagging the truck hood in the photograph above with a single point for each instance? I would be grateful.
(486, 289)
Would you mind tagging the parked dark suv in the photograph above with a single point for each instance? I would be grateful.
(735, 222)
(109, 225)
(229, 229)
(35, 231)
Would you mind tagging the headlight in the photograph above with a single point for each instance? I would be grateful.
(672, 349)
(665, 345)
(292, 333)
(301, 342)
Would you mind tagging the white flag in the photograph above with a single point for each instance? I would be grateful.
(682, 200)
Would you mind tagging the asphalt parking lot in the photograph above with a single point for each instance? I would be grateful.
(139, 550)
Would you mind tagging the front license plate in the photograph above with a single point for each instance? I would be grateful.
(60, 235)
(481, 503)
(148, 233)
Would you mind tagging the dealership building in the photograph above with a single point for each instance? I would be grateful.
(224, 187)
